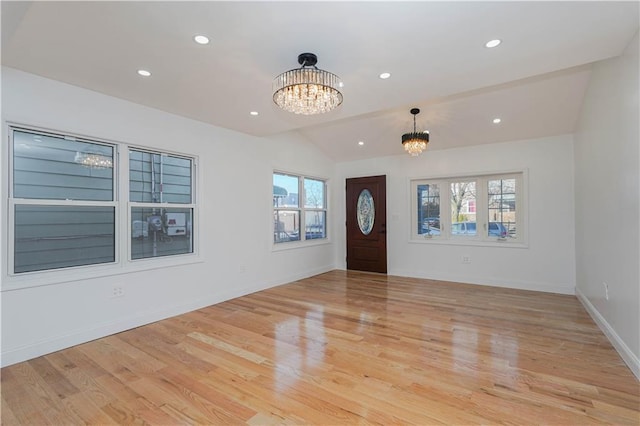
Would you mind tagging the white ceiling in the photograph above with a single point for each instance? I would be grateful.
(534, 81)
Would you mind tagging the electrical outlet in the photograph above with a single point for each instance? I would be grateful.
(466, 259)
(606, 290)
(117, 291)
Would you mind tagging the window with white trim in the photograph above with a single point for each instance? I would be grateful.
(64, 202)
(161, 209)
(488, 208)
(299, 202)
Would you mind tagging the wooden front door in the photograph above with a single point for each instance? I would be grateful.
(367, 224)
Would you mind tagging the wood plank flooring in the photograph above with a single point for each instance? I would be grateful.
(341, 348)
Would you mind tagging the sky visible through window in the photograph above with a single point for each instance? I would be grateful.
(290, 183)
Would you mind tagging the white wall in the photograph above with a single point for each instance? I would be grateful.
(607, 194)
(235, 217)
(547, 264)
(236, 253)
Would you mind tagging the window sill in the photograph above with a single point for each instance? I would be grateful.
(83, 273)
(292, 245)
(473, 243)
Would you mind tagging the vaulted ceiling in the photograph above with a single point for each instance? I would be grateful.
(435, 51)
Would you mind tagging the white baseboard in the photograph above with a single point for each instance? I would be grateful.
(632, 361)
(494, 282)
(96, 331)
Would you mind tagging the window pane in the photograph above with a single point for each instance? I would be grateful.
(54, 168)
(313, 194)
(463, 201)
(159, 178)
(315, 224)
(51, 237)
(286, 225)
(285, 190)
(502, 207)
(428, 209)
(160, 232)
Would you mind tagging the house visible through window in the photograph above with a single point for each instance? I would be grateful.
(160, 191)
(299, 203)
(64, 202)
(481, 208)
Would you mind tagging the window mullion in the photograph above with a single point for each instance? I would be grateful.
(301, 205)
(123, 220)
(41, 202)
(445, 220)
(520, 207)
(482, 208)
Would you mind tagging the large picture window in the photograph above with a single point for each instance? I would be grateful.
(65, 208)
(299, 203)
(480, 208)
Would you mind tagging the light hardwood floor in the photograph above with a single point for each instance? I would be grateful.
(341, 348)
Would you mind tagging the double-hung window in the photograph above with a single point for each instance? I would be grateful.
(161, 204)
(299, 208)
(66, 208)
(487, 208)
(62, 202)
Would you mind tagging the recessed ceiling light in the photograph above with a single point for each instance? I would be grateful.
(144, 73)
(493, 43)
(385, 75)
(200, 39)
(496, 120)
(360, 143)
(254, 113)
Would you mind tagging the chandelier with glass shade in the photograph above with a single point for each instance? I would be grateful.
(415, 142)
(307, 90)
(93, 160)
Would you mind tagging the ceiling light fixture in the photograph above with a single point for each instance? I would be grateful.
(415, 142)
(496, 121)
(144, 73)
(385, 75)
(360, 143)
(93, 160)
(201, 39)
(307, 90)
(254, 113)
(492, 43)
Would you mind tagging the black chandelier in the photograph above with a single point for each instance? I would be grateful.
(307, 90)
(414, 143)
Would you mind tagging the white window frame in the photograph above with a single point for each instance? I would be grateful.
(135, 204)
(481, 201)
(13, 202)
(123, 263)
(303, 241)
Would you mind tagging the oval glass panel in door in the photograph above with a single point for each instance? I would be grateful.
(365, 211)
